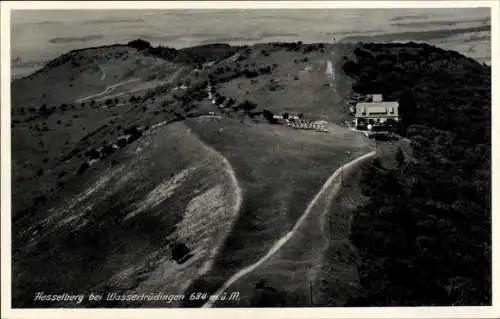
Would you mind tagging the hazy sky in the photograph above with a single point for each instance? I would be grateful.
(44, 34)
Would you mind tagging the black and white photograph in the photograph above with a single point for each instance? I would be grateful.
(248, 157)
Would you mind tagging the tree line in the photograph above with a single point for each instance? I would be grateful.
(424, 237)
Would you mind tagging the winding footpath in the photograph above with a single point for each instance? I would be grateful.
(106, 90)
(238, 194)
(290, 234)
(111, 88)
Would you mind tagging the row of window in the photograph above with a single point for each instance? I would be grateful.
(391, 111)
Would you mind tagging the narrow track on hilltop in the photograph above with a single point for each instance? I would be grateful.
(103, 73)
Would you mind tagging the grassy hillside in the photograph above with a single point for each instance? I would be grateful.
(287, 78)
(316, 266)
(61, 126)
(75, 177)
(83, 72)
(117, 224)
(51, 142)
(98, 197)
(280, 171)
(425, 234)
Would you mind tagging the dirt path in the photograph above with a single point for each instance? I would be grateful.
(103, 73)
(106, 90)
(330, 74)
(291, 233)
(174, 77)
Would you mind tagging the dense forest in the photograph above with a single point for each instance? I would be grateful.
(424, 237)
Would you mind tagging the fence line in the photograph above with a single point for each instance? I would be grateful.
(307, 126)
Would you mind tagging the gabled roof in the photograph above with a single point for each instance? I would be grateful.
(377, 109)
(373, 104)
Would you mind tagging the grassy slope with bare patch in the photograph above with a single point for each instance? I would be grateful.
(83, 241)
(48, 148)
(283, 166)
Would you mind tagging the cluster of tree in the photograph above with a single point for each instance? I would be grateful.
(250, 74)
(45, 111)
(269, 116)
(164, 52)
(63, 59)
(289, 46)
(219, 99)
(93, 133)
(180, 252)
(111, 102)
(197, 55)
(139, 44)
(207, 53)
(425, 235)
(299, 46)
(222, 70)
(93, 154)
(246, 106)
(133, 133)
(314, 47)
(266, 296)
(194, 93)
(265, 70)
(226, 74)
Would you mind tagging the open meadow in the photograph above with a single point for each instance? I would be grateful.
(280, 171)
(140, 168)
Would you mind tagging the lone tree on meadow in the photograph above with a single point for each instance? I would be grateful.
(269, 116)
(247, 106)
(43, 108)
(230, 102)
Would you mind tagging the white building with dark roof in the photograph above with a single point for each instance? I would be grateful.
(376, 112)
